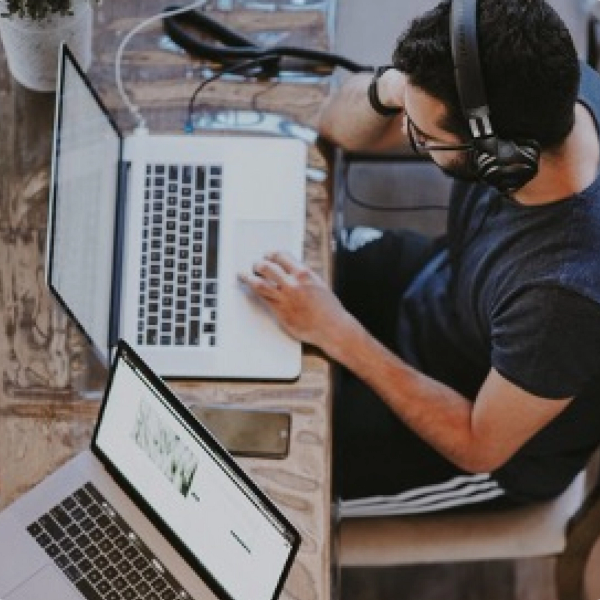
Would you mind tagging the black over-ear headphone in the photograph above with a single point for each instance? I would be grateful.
(505, 164)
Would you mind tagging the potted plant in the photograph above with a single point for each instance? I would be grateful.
(31, 32)
(37, 9)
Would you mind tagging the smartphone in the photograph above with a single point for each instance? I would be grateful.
(263, 433)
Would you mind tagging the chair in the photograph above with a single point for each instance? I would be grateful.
(565, 528)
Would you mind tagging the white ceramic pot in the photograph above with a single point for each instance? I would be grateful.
(31, 47)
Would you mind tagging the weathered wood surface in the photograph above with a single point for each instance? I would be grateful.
(50, 380)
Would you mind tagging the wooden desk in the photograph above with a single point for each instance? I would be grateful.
(46, 410)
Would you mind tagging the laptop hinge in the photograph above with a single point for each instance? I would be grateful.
(115, 301)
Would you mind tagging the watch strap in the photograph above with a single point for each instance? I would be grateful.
(374, 101)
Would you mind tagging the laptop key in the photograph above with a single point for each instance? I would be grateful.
(52, 550)
(78, 513)
(200, 178)
(96, 535)
(140, 563)
(61, 517)
(87, 590)
(72, 573)
(194, 333)
(52, 527)
(91, 552)
(85, 565)
(124, 567)
(62, 561)
(110, 573)
(112, 531)
(83, 497)
(94, 576)
(142, 589)
(66, 544)
(103, 587)
(133, 578)
(75, 555)
(94, 510)
(159, 585)
(35, 529)
(119, 584)
(69, 503)
(150, 574)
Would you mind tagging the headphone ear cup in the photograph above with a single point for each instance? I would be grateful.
(506, 165)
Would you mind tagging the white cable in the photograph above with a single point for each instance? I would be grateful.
(133, 109)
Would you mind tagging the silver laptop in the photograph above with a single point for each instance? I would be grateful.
(147, 235)
(155, 509)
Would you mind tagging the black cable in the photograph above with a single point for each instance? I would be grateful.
(240, 66)
(385, 207)
(239, 47)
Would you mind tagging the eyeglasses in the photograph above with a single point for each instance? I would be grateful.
(422, 144)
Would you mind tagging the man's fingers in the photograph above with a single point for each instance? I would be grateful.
(259, 285)
(286, 261)
(271, 271)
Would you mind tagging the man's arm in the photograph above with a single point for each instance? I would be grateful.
(348, 120)
(478, 437)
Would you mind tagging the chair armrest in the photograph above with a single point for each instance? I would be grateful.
(583, 532)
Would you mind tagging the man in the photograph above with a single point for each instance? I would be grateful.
(471, 365)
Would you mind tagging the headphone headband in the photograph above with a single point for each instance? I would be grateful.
(467, 67)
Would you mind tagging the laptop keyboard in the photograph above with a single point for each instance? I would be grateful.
(180, 238)
(99, 553)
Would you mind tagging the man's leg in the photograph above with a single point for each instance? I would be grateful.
(373, 268)
(376, 455)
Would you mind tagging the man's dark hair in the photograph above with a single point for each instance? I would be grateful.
(529, 64)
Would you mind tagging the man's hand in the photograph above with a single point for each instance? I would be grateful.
(301, 301)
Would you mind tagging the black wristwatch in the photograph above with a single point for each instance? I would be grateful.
(374, 101)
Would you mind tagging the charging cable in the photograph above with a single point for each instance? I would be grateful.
(133, 109)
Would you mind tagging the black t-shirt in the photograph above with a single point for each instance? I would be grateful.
(518, 289)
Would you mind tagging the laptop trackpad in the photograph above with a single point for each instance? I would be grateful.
(47, 583)
(254, 239)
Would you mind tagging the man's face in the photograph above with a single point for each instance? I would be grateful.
(423, 115)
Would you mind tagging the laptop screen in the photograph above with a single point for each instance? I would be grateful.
(211, 508)
(83, 202)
